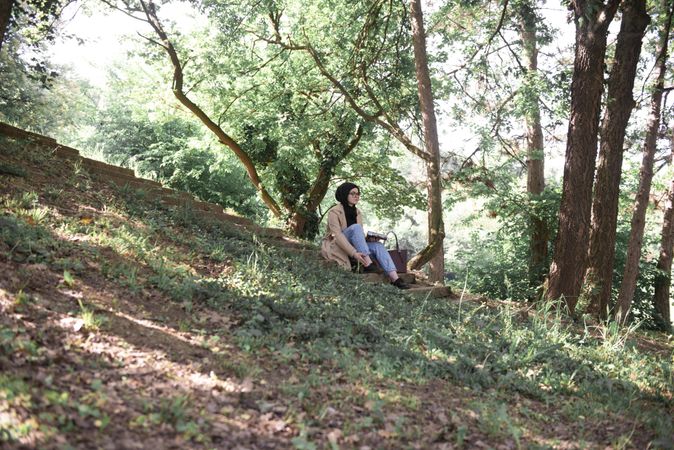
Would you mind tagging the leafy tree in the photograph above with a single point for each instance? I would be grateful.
(501, 96)
(529, 32)
(661, 297)
(32, 18)
(34, 96)
(434, 252)
(135, 126)
(370, 63)
(285, 124)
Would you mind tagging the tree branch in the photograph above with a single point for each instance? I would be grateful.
(486, 44)
(389, 125)
(151, 14)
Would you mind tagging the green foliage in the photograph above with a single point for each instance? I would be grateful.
(90, 320)
(384, 189)
(35, 19)
(495, 263)
(294, 123)
(169, 148)
(15, 393)
(34, 96)
(24, 242)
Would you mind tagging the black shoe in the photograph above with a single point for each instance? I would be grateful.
(371, 269)
(400, 284)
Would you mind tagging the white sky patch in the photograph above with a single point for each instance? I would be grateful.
(105, 36)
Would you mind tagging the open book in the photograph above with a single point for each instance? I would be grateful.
(374, 236)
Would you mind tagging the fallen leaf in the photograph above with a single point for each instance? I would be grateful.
(386, 434)
(277, 425)
(75, 323)
(212, 407)
(334, 435)
(246, 385)
(265, 406)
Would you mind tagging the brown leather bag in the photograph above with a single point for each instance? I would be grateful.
(398, 256)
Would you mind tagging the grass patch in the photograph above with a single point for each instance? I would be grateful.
(342, 352)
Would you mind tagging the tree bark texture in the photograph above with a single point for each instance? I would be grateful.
(300, 218)
(569, 260)
(601, 256)
(5, 15)
(631, 271)
(662, 300)
(224, 138)
(434, 252)
(538, 245)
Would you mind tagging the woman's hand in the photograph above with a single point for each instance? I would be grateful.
(360, 257)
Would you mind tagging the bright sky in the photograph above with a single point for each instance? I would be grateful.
(103, 36)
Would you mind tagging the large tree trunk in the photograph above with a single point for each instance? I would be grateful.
(434, 252)
(538, 244)
(301, 221)
(599, 275)
(5, 15)
(661, 299)
(631, 271)
(568, 265)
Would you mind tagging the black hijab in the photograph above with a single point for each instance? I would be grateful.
(342, 196)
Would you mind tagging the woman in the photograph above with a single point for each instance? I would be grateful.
(346, 239)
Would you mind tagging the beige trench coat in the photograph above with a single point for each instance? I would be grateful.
(336, 247)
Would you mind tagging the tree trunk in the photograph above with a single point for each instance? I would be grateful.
(599, 275)
(631, 271)
(663, 281)
(5, 15)
(434, 252)
(300, 221)
(568, 265)
(538, 244)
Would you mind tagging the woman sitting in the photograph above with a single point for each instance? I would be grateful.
(346, 239)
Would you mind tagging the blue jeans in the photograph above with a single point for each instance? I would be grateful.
(356, 236)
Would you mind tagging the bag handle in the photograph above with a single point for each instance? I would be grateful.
(396, 236)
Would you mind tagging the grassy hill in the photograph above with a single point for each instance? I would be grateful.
(128, 322)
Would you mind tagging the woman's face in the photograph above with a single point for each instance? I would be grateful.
(354, 196)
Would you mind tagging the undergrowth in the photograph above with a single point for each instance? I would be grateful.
(298, 310)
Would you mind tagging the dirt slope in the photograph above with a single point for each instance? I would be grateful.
(126, 323)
